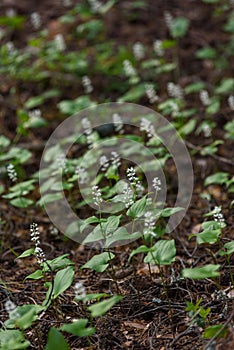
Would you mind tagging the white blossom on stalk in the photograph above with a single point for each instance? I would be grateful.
(35, 19)
(59, 42)
(174, 90)
(12, 174)
(128, 195)
(40, 255)
(11, 13)
(61, 161)
(35, 238)
(175, 108)
(138, 51)
(35, 113)
(147, 126)
(168, 20)
(158, 48)
(115, 159)
(151, 93)
(156, 183)
(206, 130)
(10, 308)
(149, 223)
(204, 97)
(97, 196)
(129, 69)
(218, 216)
(83, 175)
(87, 84)
(104, 162)
(86, 126)
(80, 292)
(118, 123)
(10, 47)
(95, 5)
(231, 102)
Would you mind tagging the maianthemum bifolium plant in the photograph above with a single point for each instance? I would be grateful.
(133, 73)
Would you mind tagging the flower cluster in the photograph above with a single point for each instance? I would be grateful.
(59, 42)
(151, 93)
(147, 126)
(118, 123)
(35, 113)
(11, 309)
(174, 90)
(35, 19)
(35, 238)
(138, 51)
(129, 69)
(204, 97)
(104, 162)
(134, 180)
(231, 102)
(206, 130)
(115, 159)
(218, 216)
(80, 292)
(158, 47)
(97, 196)
(12, 174)
(149, 223)
(168, 20)
(87, 84)
(95, 5)
(128, 195)
(156, 184)
(83, 175)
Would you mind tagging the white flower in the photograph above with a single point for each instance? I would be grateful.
(61, 161)
(59, 42)
(104, 162)
(95, 5)
(115, 159)
(12, 174)
(138, 51)
(149, 223)
(10, 47)
(151, 93)
(40, 255)
(53, 230)
(97, 196)
(204, 97)
(128, 196)
(87, 84)
(156, 184)
(129, 69)
(168, 19)
(10, 308)
(206, 130)
(35, 20)
(158, 47)
(174, 90)
(218, 216)
(83, 175)
(35, 113)
(86, 126)
(35, 234)
(131, 175)
(11, 13)
(147, 126)
(80, 291)
(118, 123)
(231, 102)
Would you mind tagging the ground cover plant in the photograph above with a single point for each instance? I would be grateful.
(126, 92)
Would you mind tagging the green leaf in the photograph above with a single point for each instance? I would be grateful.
(194, 87)
(4, 142)
(27, 252)
(141, 249)
(229, 249)
(121, 234)
(35, 275)
(138, 208)
(56, 340)
(99, 262)
(162, 253)
(208, 236)
(78, 328)
(134, 94)
(167, 212)
(49, 198)
(207, 271)
(57, 263)
(88, 221)
(12, 340)
(21, 202)
(63, 280)
(26, 320)
(218, 178)
(226, 86)
(211, 331)
(206, 53)
(213, 107)
(102, 307)
(111, 224)
(179, 27)
(187, 128)
(33, 102)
